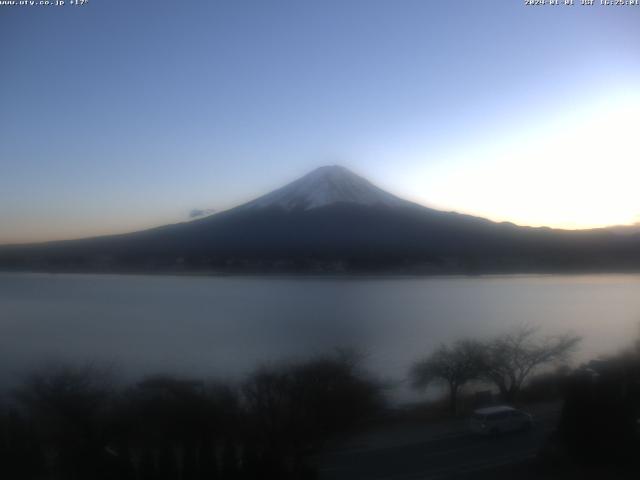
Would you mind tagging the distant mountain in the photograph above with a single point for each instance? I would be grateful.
(332, 220)
(625, 229)
(323, 187)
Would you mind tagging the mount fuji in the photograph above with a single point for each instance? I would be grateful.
(323, 187)
(332, 220)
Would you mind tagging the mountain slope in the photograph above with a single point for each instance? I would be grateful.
(334, 220)
(326, 186)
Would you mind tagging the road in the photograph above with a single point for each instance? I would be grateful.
(440, 451)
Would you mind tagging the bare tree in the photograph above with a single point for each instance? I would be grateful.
(510, 358)
(453, 365)
(295, 409)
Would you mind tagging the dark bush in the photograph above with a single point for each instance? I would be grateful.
(600, 418)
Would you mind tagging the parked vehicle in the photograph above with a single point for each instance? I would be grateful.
(500, 419)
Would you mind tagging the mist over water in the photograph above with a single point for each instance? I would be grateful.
(224, 327)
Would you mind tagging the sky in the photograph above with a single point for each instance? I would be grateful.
(120, 115)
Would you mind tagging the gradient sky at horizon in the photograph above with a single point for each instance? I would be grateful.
(121, 115)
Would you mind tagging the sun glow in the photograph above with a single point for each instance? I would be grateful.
(578, 170)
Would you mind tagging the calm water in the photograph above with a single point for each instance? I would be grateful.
(224, 327)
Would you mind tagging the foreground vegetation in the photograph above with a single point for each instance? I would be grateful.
(506, 361)
(81, 423)
(75, 423)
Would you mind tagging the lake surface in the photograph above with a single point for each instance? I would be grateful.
(223, 327)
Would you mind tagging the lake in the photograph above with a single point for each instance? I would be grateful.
(223, 327)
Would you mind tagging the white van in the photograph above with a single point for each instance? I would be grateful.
(501, 419)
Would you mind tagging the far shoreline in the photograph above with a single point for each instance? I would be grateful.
(326, 275)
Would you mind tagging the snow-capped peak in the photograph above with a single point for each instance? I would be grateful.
(326, 186)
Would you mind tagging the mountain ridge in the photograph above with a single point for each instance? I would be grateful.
(332, 220)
